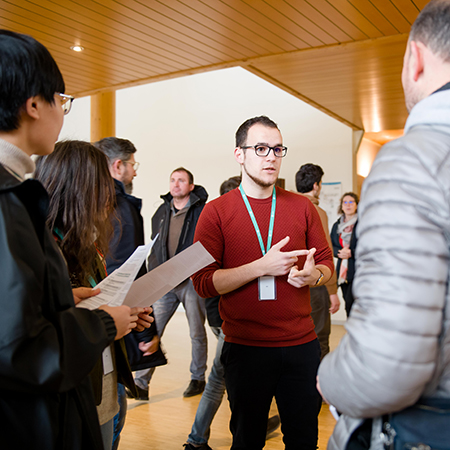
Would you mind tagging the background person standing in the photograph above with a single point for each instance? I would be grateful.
(175, 221)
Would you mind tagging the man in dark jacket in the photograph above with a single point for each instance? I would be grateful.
(48, 347)
(175, 222)
(128, 235)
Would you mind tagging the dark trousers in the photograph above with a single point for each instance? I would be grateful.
(254, 375)
(320, 313)
(347, 293)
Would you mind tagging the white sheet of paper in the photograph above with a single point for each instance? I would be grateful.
(115, 286)
(152, 286)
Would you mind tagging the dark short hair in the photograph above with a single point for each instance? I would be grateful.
(116, 148)
(230, 184)
(27, 69)
(432, 28)
(350, 194)
(189, 174)
(242, 131)
(307, 175)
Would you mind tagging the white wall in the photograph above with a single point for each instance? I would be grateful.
(192, 121)
(77, 124)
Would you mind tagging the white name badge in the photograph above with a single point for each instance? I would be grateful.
(107, 360)
(267, 288)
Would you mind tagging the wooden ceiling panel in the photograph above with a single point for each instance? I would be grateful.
(348, 17)
(179, 29)
(342, 56)
(408, 9)
(392, 13)
(366, 17)
(379, 20)
(305, 22)
(229, 22)
(99, 49)
(153, 35)
(353, 80)
(255, 19)
(278, 22)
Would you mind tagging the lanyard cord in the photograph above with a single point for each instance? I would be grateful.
(255, 223)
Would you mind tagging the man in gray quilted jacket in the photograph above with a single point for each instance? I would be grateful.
(397, 349)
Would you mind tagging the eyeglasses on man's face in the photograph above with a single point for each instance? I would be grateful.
(66, 102)
(263, 150)
(134, 164)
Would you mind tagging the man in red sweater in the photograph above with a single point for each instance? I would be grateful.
(270, 348)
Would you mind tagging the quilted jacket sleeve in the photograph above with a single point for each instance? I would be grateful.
(391, 351)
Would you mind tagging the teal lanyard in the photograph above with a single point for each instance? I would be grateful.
(255, 223)
(58, 233)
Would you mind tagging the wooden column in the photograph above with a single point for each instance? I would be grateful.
(103, 115)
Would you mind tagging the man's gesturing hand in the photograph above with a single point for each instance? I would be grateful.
(277, 263)
(308, 275)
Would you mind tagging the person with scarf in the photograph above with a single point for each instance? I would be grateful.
(343, 238)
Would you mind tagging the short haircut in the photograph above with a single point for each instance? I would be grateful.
(189, 174)
(432, 28)
(116, 148)
(307, 175)
(230, 184)
(350, 194)
(26, 70)
(242, 131)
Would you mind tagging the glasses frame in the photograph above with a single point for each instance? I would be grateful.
(66, 102)
(135, 164)
(254, 147)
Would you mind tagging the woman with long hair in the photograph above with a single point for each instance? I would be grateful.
(343, 238)
(81, 192)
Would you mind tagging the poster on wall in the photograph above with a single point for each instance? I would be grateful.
(329, 200)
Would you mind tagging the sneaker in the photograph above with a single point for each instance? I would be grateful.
(272, 424)
(195, 387)
(189, 446)
(142, 394)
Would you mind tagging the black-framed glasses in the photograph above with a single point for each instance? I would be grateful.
(263, 150)
(134, 164)
(66, 102)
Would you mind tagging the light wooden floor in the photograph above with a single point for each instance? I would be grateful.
(164, 422)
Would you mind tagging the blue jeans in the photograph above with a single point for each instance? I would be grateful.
(211, 398)
(194, 305)
(119, 418)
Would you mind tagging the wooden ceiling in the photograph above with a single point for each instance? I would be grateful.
(342, 56)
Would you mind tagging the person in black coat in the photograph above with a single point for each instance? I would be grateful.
(174, 222)
(48, 347)
(143, 349)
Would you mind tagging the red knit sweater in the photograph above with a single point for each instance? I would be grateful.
(226, 231)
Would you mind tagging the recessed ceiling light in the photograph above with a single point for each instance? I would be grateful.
(77, 48)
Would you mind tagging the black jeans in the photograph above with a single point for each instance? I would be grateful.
(254, 375)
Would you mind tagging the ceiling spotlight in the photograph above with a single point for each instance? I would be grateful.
(77, 48)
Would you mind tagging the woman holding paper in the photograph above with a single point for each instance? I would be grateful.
(81, 193)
